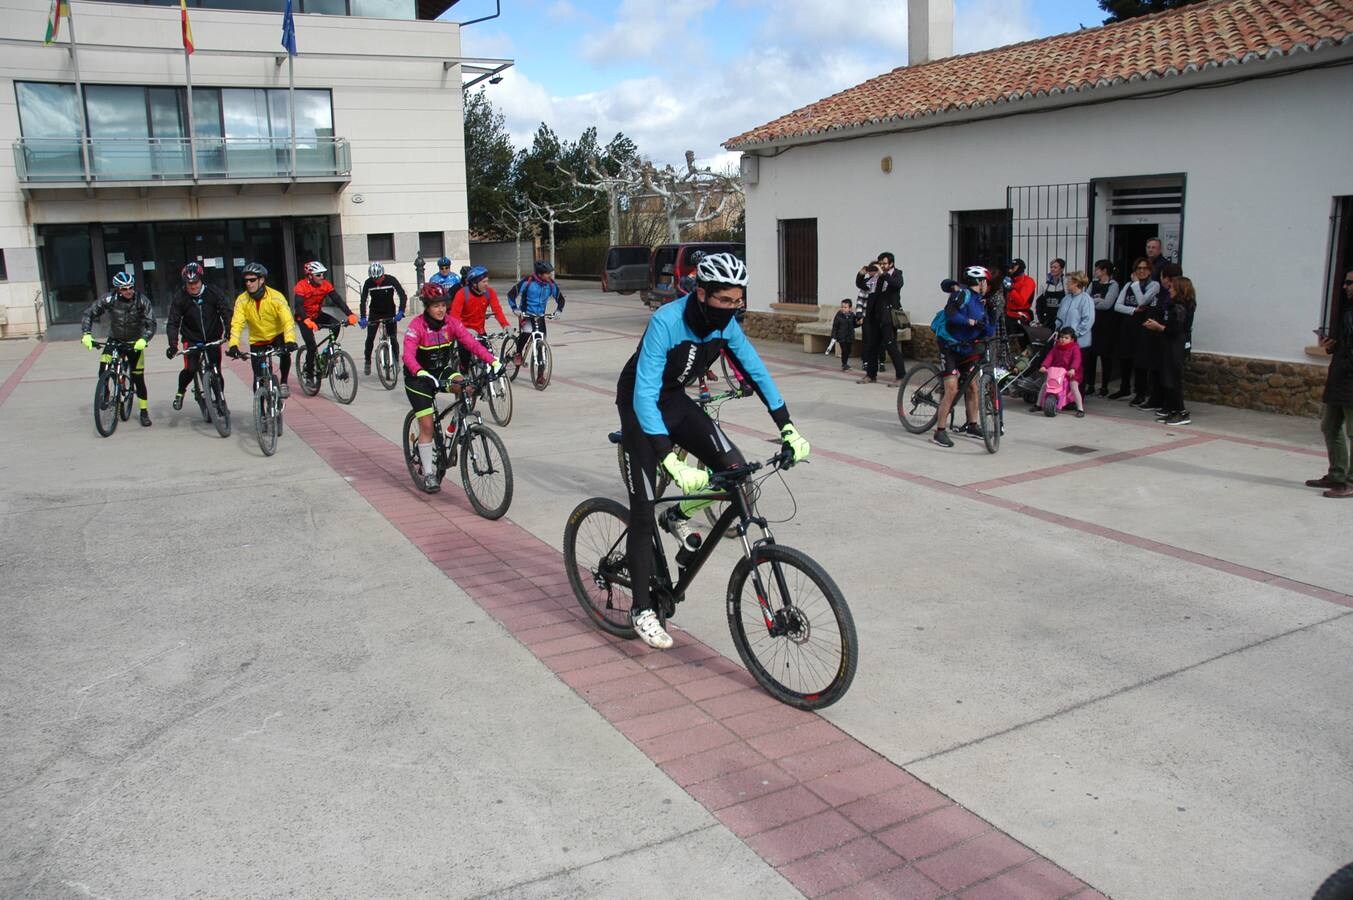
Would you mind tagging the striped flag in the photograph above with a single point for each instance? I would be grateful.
(187, 27)
(59, 9)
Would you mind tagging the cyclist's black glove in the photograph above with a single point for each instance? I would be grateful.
(234, 353)
(289, 346)
(170, 351)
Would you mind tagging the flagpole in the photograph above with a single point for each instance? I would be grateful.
(192, 129)
(79, 88)
(291, 104)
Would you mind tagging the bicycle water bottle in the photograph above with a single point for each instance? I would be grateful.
(704, 391)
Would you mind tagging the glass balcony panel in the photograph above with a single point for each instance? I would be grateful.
(114, 160)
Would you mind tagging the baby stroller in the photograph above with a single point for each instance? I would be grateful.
(1023, 379)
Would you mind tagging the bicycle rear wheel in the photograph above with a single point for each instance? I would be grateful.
(265, 417)
(801, 645)
(542, 365)
(386, 369)
(500, 400)
(989, 409)
(343, 376)
(918, 398)
(220, 416)
(486, 472)
(305, 360)
(105, 404)
(411, 457)
(594, 557)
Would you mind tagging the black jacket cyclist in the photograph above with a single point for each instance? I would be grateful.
(682, 340)
(198, 313)
(131, 320)
(381, 289)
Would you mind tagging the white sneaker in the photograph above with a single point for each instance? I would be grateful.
(651, 631)
(679, 527)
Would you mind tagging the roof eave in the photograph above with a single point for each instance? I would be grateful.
(1253, 65)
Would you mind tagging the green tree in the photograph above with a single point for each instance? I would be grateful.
(1122, 10)
(489, 158)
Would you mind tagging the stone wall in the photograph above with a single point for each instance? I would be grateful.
(775, 326)
(1290, 388)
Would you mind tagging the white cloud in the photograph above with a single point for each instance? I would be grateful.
(802, 51)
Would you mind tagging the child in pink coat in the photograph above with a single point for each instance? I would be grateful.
(1066, 353)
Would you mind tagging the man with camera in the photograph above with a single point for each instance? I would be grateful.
(880, 333)
(1337, 422)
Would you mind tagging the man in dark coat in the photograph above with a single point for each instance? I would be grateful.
(1337, 422)
(879, 331)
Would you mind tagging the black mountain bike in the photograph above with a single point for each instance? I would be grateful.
(788, 618)
(919, 395)
(114, 395)
(485, 470)
(387, 353)
(268, 401)
(209, 387)
(498, 391)
(332, 360)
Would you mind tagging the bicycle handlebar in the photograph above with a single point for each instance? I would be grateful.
(202, 345)
(727, 478)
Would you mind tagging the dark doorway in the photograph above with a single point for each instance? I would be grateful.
(177, 243)
(981, 237)
(1127, 243)
(798, 261)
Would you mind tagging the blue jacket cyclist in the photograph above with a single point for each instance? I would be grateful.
(683, 339)
(448, 280)
(530, 297)
(968, 321)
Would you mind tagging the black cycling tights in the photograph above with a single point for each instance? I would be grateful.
(689, 427)
(389, 329)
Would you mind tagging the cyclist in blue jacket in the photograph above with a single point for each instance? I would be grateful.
(448, 280)
(682, 340)
(967, 320)
(534, 293)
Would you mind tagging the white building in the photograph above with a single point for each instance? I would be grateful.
(110, 177)
(1226, 128)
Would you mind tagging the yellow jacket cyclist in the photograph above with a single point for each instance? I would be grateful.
(268, 317)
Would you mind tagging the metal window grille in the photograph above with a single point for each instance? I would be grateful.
(1051, 221)
(1338, 261)
(798, 260)
(979, 237)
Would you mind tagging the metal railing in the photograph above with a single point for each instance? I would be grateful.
(113, 160)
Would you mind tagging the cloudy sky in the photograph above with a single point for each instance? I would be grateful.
(693, 73)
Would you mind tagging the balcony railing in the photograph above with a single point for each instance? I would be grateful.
(114, 161)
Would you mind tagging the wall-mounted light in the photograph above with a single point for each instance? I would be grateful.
(358, 198)
(886, 164)
(496, 79)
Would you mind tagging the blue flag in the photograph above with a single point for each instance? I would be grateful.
(289, 30)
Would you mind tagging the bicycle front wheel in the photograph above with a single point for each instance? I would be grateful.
(792, 627)
(597, 566)
(200, 395)
(220, 415)
(310, 376)
(343, 376)
(386, 370)
(918, 398)
(500, 400)
(506, 351)
(265, 417)
(989, 409)
(542, 365)
(105, 403)
(125, 393)
(486, 472)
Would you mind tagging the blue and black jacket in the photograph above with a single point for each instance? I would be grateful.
(965, 304)
(671, 356)
(532, 294)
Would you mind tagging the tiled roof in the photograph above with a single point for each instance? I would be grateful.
(1164, 45)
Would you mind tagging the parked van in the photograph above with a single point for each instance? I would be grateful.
(670, 262)
(625, 269)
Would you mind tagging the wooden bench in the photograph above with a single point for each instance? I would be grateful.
(816, 335)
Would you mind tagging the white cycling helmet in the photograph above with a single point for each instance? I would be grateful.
(123, 280)
(376, 270)
(977, 272)
(721, 268)
(315, 267)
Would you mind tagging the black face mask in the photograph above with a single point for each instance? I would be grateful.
(704, 319)
(258, 294)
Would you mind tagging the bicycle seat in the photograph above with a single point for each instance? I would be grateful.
(615, 437)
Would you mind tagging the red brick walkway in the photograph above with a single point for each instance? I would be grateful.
(827, 812)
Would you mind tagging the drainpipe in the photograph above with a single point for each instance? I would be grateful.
(497, 11)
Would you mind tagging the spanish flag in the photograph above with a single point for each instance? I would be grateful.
(59, 9)
(187, 27)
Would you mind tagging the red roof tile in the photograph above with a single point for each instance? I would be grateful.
(1164, 45)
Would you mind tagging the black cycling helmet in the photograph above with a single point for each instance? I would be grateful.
(543, 267)
(191, 273)
(256, 268)
(1016, 266)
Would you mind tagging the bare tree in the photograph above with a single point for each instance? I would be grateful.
(625, 183)
(689, 198)
(517, 220)
(551, 214)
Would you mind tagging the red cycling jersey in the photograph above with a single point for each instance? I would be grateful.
(312, 297)
(472, 308)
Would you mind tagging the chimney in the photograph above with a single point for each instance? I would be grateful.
(930, 30)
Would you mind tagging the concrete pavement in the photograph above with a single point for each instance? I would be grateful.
(229, 674)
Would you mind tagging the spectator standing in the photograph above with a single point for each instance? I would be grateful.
(1175, 328)
(1140, 293)
(1054, 290)
(1337, 421)
(879, 331)
(843, 331)
(1155, 257)
(1019, 298)
(1077, 312)
(1104, 336)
